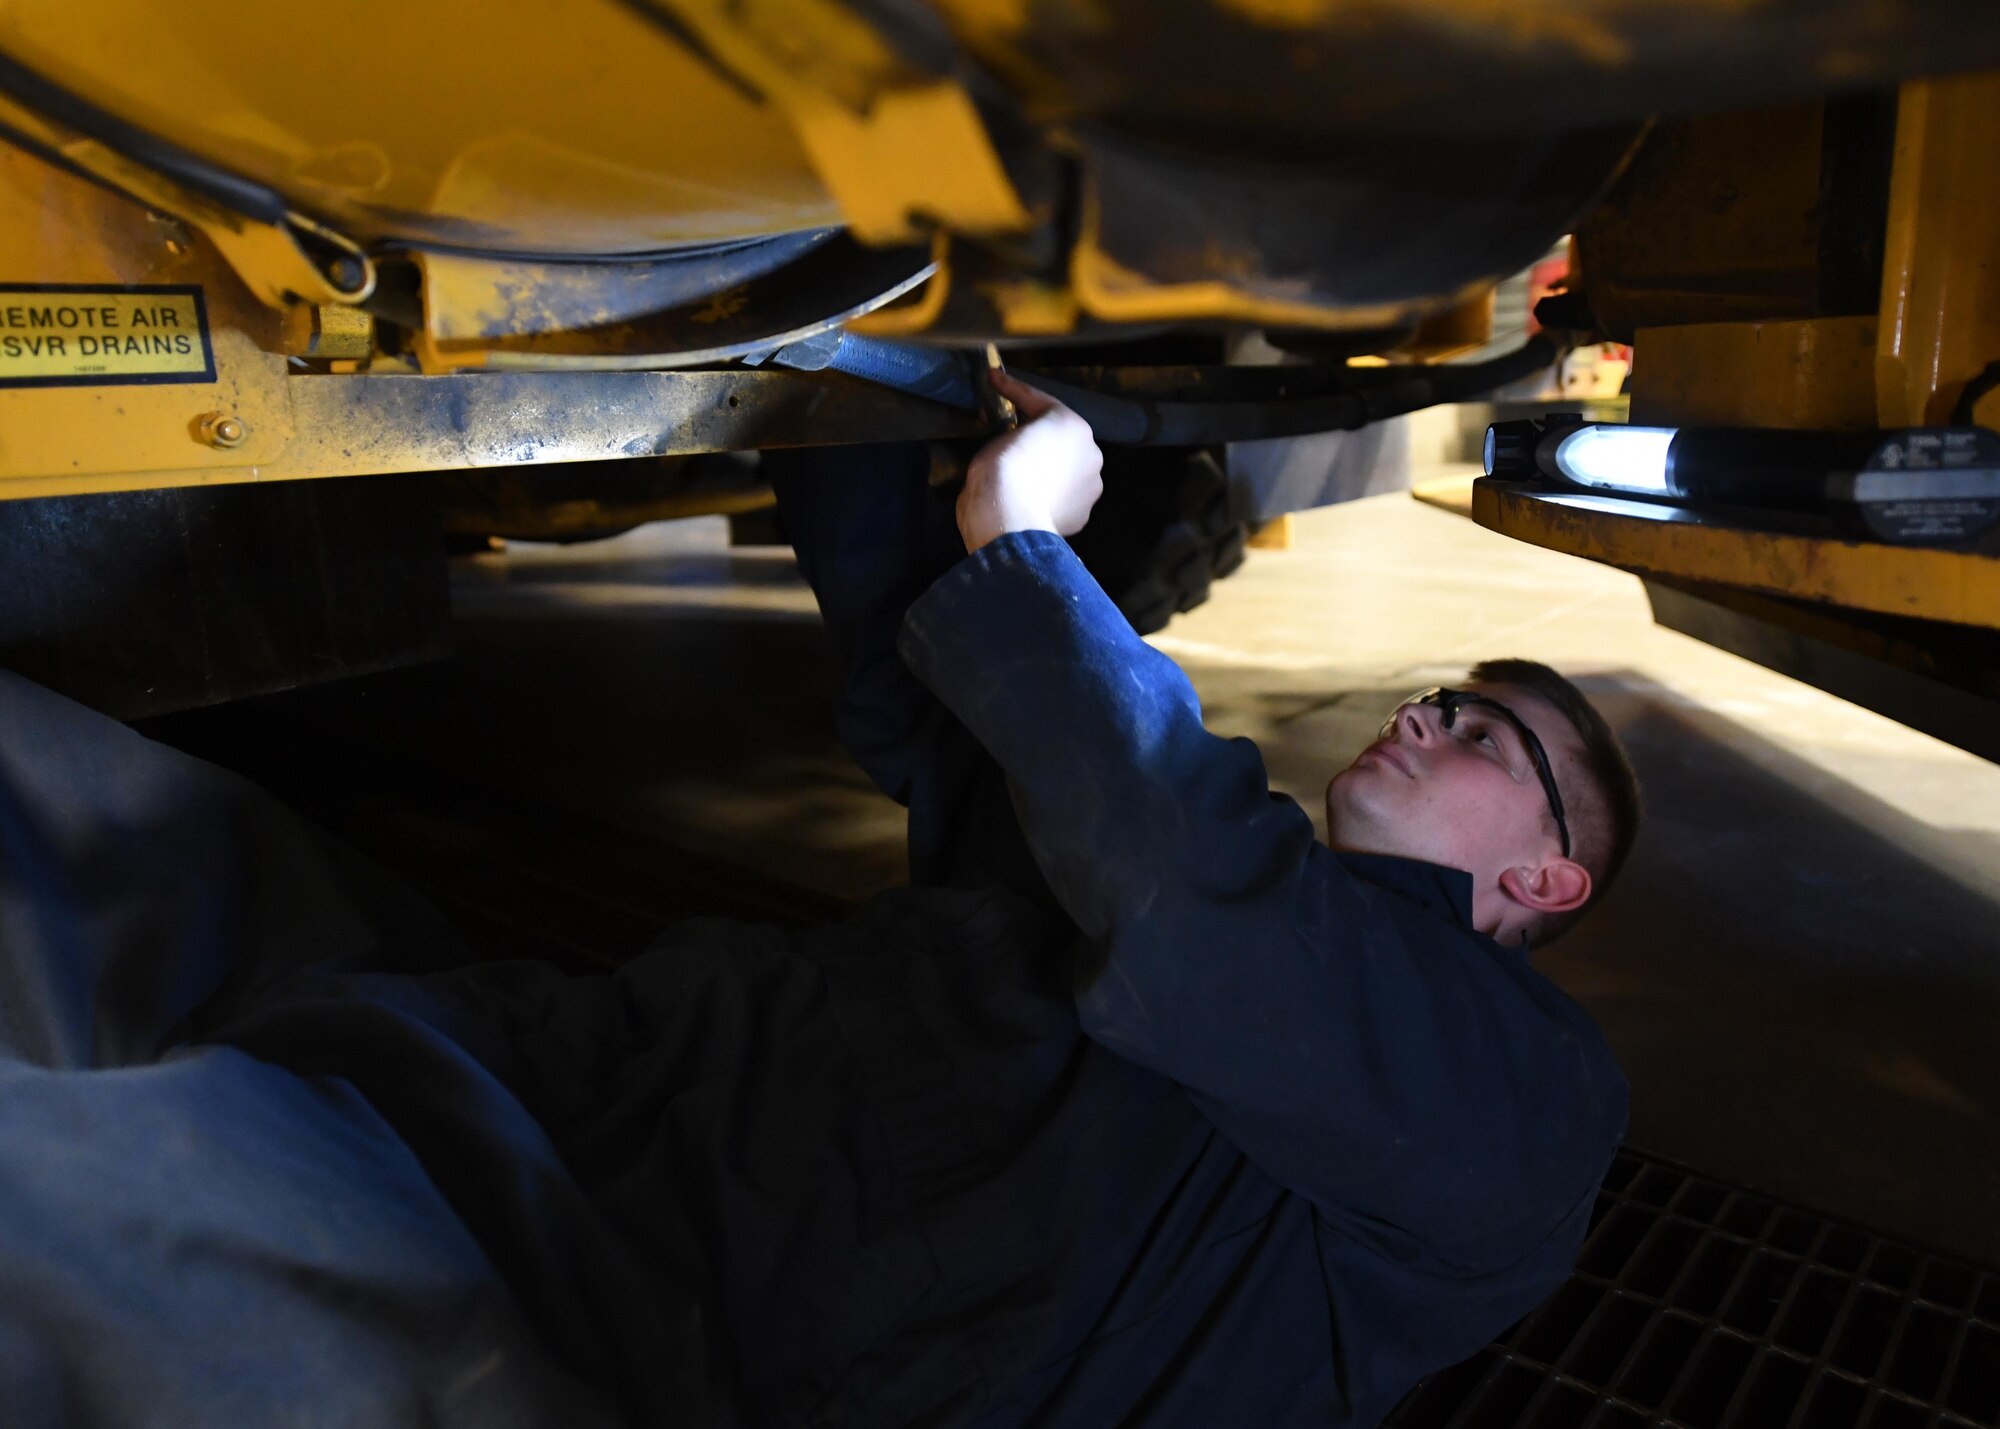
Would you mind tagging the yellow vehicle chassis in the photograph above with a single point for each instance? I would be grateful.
(297, 392)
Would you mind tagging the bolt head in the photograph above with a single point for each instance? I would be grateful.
(223, 430)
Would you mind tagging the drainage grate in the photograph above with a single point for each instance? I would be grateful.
(1697, 1305)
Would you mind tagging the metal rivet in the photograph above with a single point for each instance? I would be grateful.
(219, 429)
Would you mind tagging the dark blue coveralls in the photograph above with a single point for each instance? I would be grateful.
(1142, 1108)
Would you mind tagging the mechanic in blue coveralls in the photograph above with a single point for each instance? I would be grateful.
(1139, 1107)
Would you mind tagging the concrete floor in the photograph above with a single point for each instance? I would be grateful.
(1800, 969)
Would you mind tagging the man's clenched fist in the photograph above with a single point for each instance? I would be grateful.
(1042, 476)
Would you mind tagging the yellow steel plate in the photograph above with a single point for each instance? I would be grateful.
(1961, 586)
(581, 127)
(100, 334)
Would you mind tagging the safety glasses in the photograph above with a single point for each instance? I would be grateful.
(1450, 702)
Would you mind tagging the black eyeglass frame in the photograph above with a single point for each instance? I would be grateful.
(1449, 702)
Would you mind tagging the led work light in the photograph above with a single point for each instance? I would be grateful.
(1932, 486)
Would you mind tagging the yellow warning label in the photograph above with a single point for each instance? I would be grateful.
(53, 335)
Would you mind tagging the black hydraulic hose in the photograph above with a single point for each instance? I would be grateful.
(1372, 395)
(1977, 388)
(189, 170)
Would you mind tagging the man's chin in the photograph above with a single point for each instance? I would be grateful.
(1351, 829)
(1363, 817)
(1350, 793)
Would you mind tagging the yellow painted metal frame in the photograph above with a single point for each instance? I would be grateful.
(1813, 373)
(831, 122)
(902, 151)
(58, 228)
(1938, 325)
(265, 256)
(1957, 586)
(1937, 329)
(1941, 266)
(101, 439)
(579, 127)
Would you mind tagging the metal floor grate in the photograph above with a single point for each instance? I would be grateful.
(1701, 1306)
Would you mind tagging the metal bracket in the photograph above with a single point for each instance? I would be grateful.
(283, 257)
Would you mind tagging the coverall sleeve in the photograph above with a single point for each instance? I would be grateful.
(871, 534)
(1413, 1079)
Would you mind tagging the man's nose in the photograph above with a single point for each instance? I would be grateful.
(1417, 723)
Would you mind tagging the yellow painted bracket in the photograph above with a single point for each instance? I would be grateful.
(1962, 587)
(266, 256)
(902, 151)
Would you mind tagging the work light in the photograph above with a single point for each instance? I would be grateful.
(1915, 486)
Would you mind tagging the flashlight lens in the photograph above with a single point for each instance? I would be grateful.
(1630, 459)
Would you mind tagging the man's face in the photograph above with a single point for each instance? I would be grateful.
(1467, 797)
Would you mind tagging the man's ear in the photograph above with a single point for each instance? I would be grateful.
(1561, 885)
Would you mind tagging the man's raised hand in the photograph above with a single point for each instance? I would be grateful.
(1042, 476)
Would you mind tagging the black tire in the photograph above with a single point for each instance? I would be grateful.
(1162, 534)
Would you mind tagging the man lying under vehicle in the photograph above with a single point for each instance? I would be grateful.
(1140, 1106)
